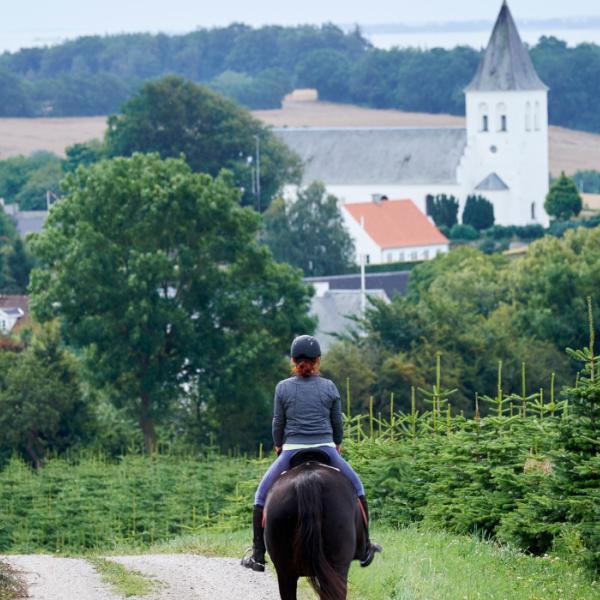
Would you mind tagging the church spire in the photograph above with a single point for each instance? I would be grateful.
(506, 64)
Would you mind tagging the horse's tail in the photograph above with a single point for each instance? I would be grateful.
(308, 541)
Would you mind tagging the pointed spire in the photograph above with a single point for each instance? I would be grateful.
(506, 64)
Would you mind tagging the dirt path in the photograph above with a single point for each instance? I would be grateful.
(188, 577)
(53, 578)
(182, 577)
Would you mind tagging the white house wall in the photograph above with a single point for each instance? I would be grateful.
(363, 242)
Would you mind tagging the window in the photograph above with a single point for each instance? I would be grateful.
(3, 326)
(390, 256)
(501, 116)
(401, 256)
(528, 116)
(533, 210)
(414, 255)
(536, 117)
(367, 258)
(425, 254)
(483, 117)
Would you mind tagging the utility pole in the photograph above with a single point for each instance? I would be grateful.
(363, 286)
(257, 171)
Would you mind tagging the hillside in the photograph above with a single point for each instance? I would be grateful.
(569, 150)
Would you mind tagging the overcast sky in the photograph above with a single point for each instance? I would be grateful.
(42, 21)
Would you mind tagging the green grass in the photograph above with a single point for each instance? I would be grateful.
(123, 581)
(10, 586)
(424, 565)
(432, 565)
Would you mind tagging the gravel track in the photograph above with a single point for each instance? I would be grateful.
(181, 577)
(52, 578)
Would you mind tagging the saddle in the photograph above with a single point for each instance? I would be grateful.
(309, 455)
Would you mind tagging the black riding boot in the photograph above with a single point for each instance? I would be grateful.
(371, 549)
(256, 561)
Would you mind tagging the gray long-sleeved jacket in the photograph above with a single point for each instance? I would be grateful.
(307, 411)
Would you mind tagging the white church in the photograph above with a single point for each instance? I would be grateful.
(502, 154)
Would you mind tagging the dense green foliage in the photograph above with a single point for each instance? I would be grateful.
(477, 309)
(25, 180)
(461, 232)
(478, 212)
(15, 260)
(42, 405)
(309, 233)
(174, 117)
(158, 278)
(563, 200)
(443, 209)
(94, 75)
(97, 504)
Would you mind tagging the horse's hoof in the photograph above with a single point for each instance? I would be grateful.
(371, 551)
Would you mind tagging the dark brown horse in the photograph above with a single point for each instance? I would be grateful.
(313, 528)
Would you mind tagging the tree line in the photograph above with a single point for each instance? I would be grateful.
(94, 75)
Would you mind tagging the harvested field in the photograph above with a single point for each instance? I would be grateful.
(569, 150)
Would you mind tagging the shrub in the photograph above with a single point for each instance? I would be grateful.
(478, 212)
(463, 232)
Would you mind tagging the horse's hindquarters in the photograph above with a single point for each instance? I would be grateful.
(312, 528)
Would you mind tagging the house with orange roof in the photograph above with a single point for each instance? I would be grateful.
(391, 231)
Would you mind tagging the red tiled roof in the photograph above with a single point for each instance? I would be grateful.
(396, 223)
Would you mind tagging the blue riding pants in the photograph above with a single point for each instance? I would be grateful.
(283, 464)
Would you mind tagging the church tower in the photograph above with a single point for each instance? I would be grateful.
(506, 158)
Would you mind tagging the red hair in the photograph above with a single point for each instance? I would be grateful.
(305, 367)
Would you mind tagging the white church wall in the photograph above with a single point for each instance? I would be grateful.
(515, 146)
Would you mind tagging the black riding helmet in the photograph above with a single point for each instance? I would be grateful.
(305, 346)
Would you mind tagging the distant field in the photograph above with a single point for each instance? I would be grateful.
(569, 150)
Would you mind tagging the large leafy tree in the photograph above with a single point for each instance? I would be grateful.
(157, 276)
(42, 406)
(563, 200)
(173, 116)
(309, 232)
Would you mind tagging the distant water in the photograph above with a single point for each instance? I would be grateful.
(476, 39)
(13, 40)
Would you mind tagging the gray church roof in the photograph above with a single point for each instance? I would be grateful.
(506, 64)
(377, 155)
(492, 183)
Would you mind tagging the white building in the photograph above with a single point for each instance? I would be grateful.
(13, 310)
(502, 154)
(392, 231)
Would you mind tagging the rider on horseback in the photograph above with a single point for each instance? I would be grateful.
(307, 414)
